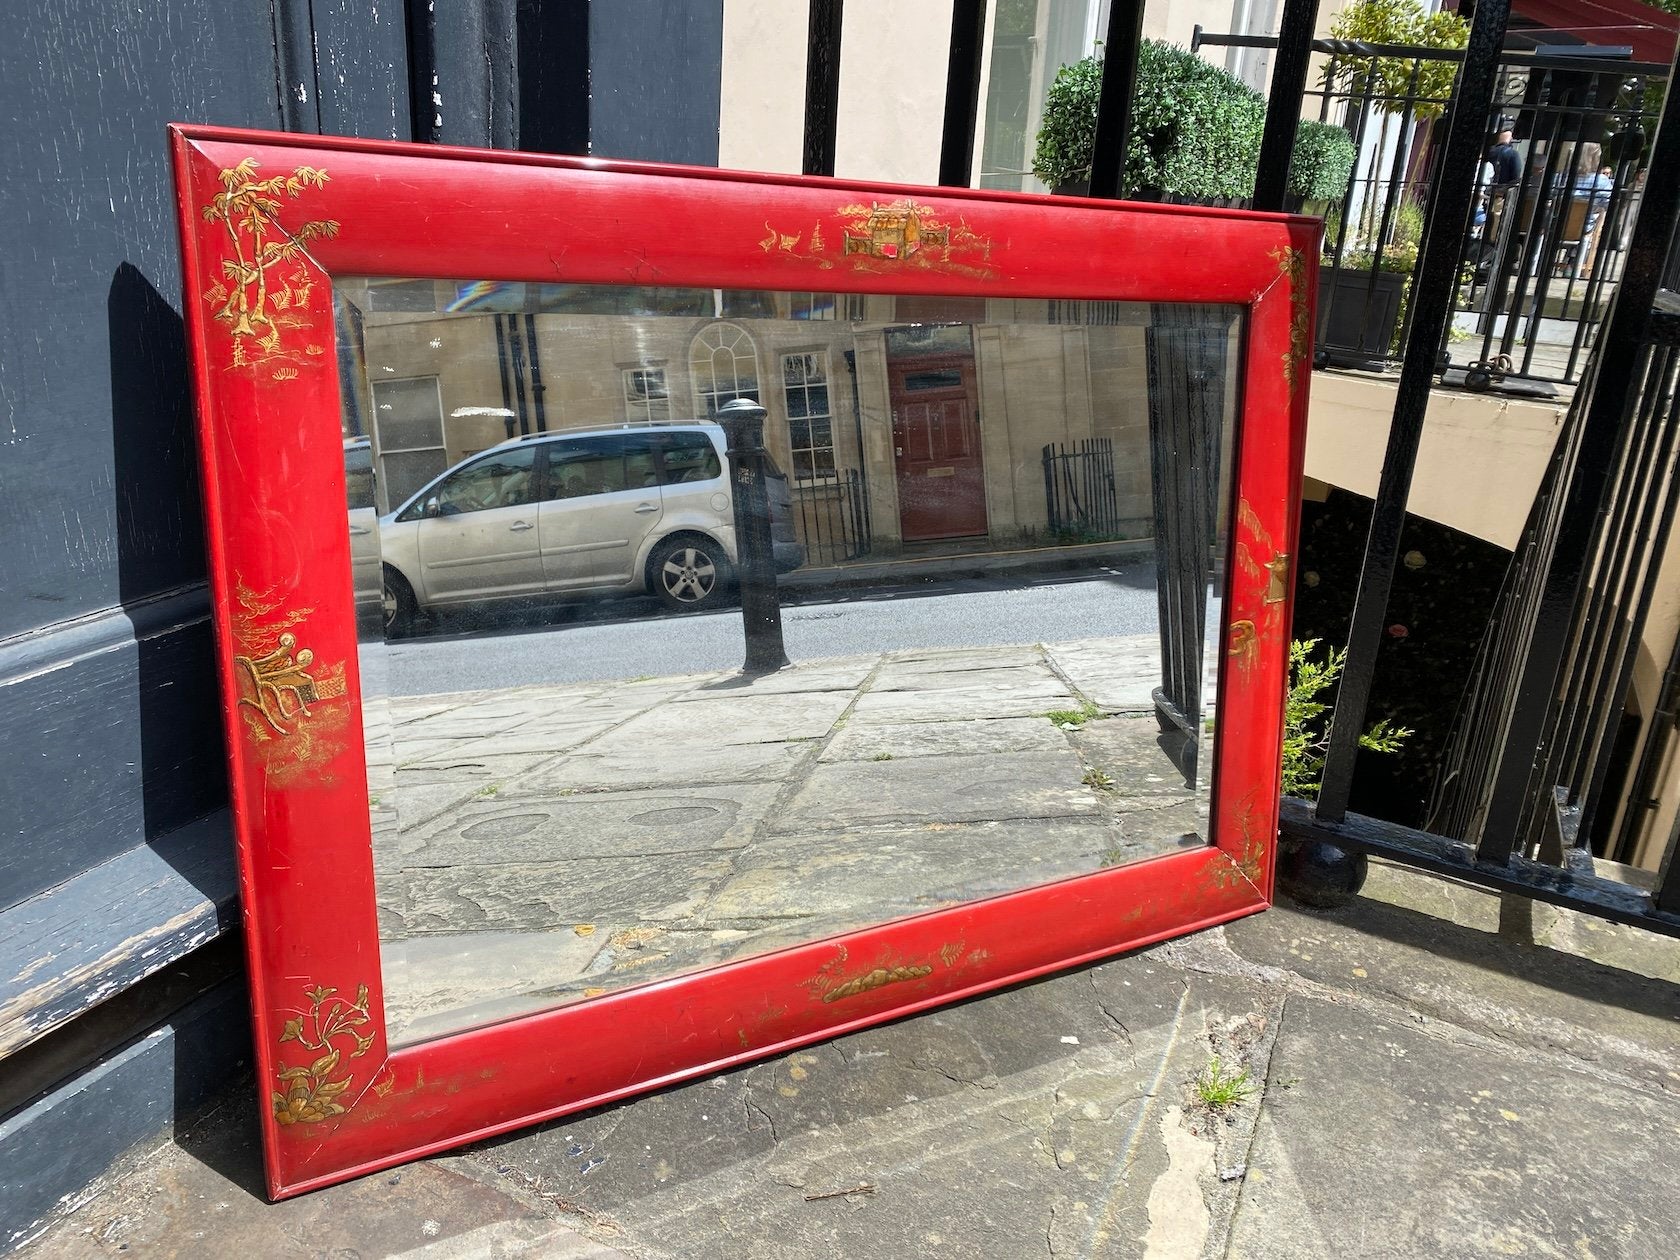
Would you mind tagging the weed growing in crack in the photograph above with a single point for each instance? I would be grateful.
(1073, 719)
(1099, 780)
(882, 756)
(1219, 1089)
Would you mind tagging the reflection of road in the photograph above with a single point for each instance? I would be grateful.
(625, 640)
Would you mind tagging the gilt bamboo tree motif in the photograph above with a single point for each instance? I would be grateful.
(260, 306)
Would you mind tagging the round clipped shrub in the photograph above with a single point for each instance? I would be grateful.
(1195, 129)
(1322, 161)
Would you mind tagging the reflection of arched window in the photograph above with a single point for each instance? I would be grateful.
(724, 365)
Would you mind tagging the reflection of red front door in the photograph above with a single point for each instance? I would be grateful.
(936, 442)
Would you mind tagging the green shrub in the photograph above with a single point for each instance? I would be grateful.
(1322, 161)
(1195, 130)
(1405, 22)
(1306, 734)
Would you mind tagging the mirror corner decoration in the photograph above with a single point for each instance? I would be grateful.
(501, 865)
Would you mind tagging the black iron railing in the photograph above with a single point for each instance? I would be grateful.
(832, 517)
(1547, 227)
(1080, 500)
(1536, 754)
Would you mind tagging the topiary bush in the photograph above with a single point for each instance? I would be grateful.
(1322, 161)
(1195, 129)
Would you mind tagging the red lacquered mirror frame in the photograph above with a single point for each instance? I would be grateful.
(336, 1101)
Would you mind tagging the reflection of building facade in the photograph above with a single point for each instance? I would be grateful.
(938, 410)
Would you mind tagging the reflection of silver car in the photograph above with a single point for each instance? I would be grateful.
(625, 510)
(364, 522)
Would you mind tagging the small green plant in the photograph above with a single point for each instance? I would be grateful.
(1392, 79)
(882, 756)
(1306, 736)
(1086, 712)
(1220, 1089)
(490, 789)
(1099, 780)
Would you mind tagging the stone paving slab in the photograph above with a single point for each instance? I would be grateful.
(886, 741)
(441, 983)
(590, 770)
(1411, 1144)
(975, 700)
(990, 787)
(1524, 994)
(1117, 674)
(721, 719)
(532, 897)
(514, 826)
(845, 880)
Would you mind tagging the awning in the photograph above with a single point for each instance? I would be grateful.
(1649, 31)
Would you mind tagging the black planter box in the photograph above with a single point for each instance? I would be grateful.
(1358, 313)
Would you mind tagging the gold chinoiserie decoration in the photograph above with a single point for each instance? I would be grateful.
(1292, 264)
(294, 707)
(307, 1095)
(263, 292)
(889, 238)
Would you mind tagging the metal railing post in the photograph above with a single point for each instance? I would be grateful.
(962, 93)
(822, 86)
(1432, 294)
(1114, 104)
(1283, 103)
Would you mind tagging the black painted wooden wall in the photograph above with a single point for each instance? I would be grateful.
(118, 967)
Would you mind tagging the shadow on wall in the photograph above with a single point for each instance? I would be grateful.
(161, 568)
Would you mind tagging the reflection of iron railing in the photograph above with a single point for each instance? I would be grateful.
(1539, 253)
(1079, 495)
(833, 518)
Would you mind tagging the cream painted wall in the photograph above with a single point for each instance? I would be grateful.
(761, 122)
(892, 90)
(1479, 464)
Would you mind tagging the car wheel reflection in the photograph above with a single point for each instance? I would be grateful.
(399, 607)
(689, 573)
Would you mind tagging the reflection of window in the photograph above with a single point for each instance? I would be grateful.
(688, 457)
(601, 465)
(358, 477)
(810, 420)
(950, 378)
(812, 305)
(496, 481)
(724, 365)
(645, 395)
(408, 417)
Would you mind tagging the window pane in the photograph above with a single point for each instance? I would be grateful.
(408, 413)
(407, 471)
(496, 481)
(689, 457)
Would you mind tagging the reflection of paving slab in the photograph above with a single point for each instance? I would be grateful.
(844, 881)
(438, 984)
(819, 676)
(1117, 673)
(1129, 749)
(543, 895)
(947, 789)
(733, 720)
(529, 738)
(908, 678)
(651, 768)
(976, 700)
(468, 765)
(517, 828)
(888, 740)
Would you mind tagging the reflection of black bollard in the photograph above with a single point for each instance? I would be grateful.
(761, 609)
